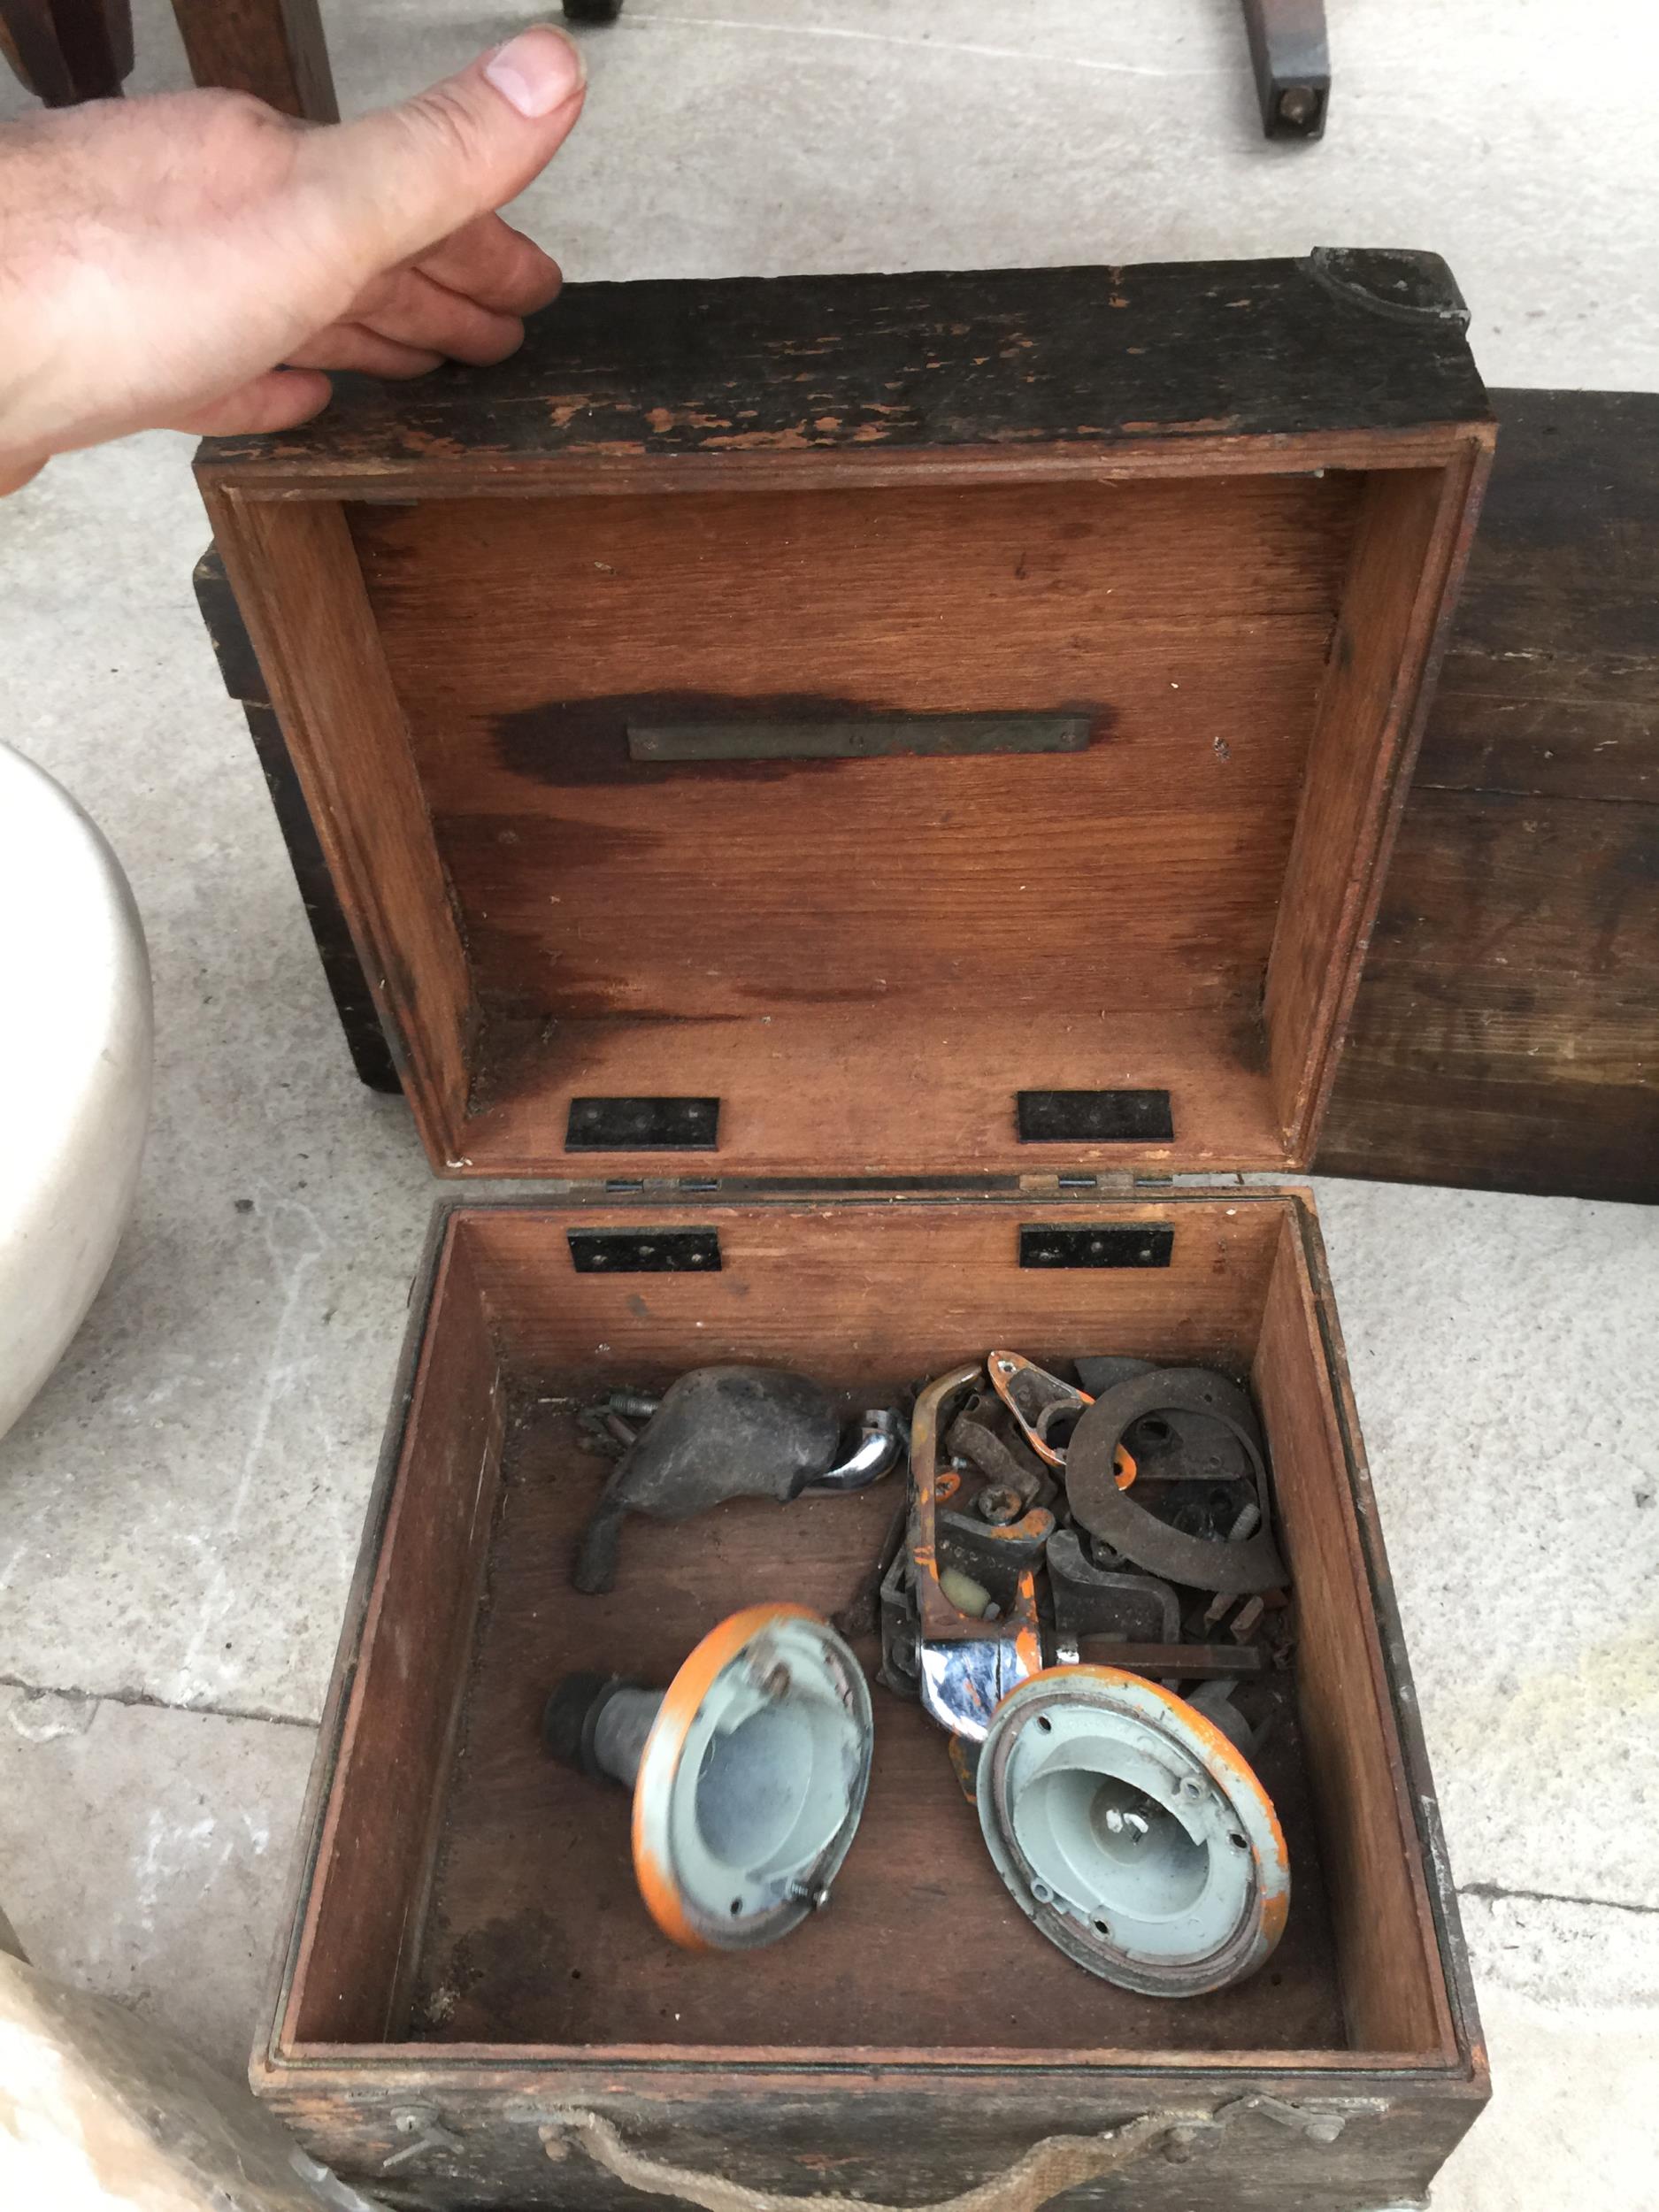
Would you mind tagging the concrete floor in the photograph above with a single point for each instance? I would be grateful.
(178, 1512)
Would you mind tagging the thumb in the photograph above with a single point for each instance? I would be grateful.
(400, 180)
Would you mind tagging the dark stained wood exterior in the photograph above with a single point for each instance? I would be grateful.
(1507, 1029)
(951, 362)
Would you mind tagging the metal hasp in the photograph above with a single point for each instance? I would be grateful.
(748, 1773)
(1132, 1833)
(725, 1432)
(1291, 55)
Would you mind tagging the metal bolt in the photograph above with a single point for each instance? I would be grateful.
(1298, 104)
(775, 1683)
(814, 1893)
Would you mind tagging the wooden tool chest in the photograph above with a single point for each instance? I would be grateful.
(825, 776)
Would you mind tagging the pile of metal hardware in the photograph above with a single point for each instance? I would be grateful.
(1072, 1549)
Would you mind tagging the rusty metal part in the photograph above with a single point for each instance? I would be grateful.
(1097, 1373)
(963, 1665)
(1171, 1662)
(994, 1552)
(1097, 1504)
(937, 1617)
(1176, 1446)
(1090, 1601)
(720, 1433)
(972, 1438)
(1046, 1409)
(901, 1630)
(1247, 1620)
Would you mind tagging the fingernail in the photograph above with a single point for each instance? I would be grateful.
(538, 71)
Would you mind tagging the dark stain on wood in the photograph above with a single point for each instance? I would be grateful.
(582, 743)
(1506, 1033)
(1002, 358)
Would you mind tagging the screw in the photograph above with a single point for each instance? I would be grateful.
(999, 1505)
(1298, 104)
(775, 1683)
(814, 1893)
(1121, 1824)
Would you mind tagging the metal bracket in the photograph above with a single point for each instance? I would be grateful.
(645, 1251)
(1095, 1117)
(427, 2132)
(1097, 1244)
(878, 738)
(642, 1125)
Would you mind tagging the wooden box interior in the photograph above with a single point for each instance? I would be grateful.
(864, 959)
(466, 1894)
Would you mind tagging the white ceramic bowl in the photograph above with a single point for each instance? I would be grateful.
(76, 1033)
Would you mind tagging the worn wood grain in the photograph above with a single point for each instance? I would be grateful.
(1411, 545)
(890, 2136)
(354, 1002)
(359, 1943)
(748, 368)
(313, 636)
(1392, 1981)
(1506, 1033)
(274, 48)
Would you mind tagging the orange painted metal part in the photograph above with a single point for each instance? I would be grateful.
(940, 1622)
(1220, 1752)
(997, 1366)
(681, 1703)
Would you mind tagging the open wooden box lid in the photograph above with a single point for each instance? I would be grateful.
(954, 722)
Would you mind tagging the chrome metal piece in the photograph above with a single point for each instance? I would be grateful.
(961, 1685)
(875, 1455)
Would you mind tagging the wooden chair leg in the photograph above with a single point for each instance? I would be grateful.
(1293, 64)
(68, 51)
(274, 48)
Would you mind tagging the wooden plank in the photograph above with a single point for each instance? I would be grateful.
(273, 49)
(1413, 537)
(366, 1900)
(68, 51)
(301, 592)
(977, 362)
(354, 1003)
(1392, 1984)
(1506, 1031)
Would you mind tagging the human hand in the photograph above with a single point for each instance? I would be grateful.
(197, 261)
